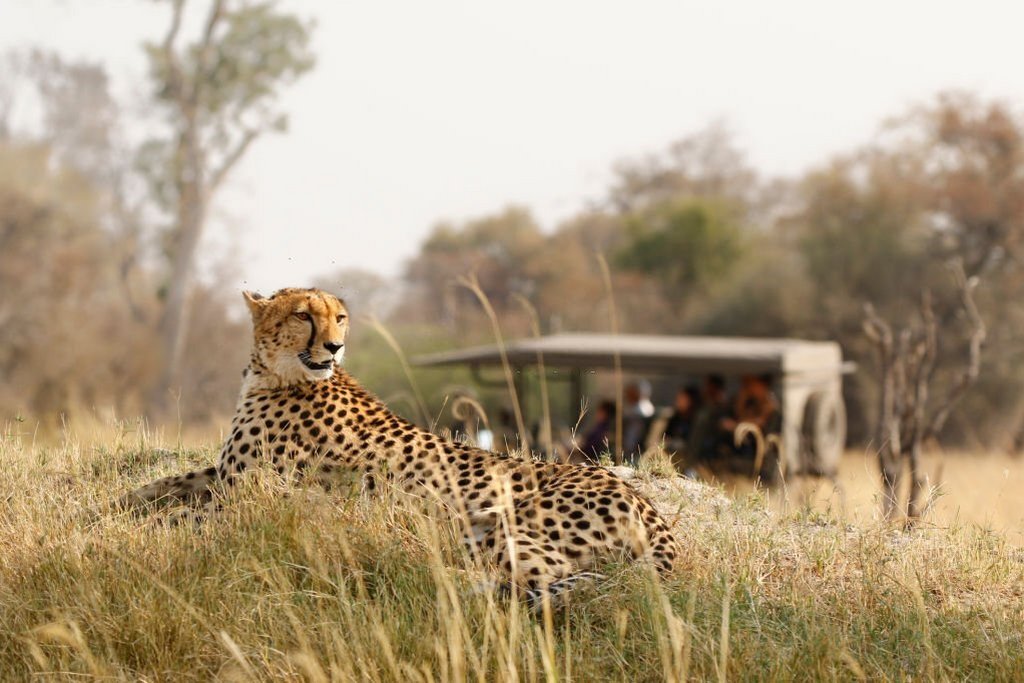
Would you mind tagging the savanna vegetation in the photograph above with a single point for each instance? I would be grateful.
(112, 325)
(696, 239)
(327, 586)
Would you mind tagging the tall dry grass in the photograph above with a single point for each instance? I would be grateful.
(293, 584)
(613, 321)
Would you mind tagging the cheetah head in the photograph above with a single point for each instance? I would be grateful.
(298, 334)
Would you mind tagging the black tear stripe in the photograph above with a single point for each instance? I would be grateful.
(312, 335)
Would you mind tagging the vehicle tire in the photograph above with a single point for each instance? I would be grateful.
(824, 433)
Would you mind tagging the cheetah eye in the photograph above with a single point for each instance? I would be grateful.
(302, 315)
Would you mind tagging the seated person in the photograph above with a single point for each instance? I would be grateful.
(596, 441)
(637, 414)
(506, 436)
(680, 422)
(756, 404)
(709, 437)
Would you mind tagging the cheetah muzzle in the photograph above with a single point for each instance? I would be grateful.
(307, 359)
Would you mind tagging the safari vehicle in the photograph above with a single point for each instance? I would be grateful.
(807, 377)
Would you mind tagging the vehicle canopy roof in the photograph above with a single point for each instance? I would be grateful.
(657, 353)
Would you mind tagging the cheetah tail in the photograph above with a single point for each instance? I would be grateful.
(180, 488)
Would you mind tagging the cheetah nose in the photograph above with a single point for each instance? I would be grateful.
(332, 347)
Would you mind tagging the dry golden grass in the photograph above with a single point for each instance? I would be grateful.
(983, 489)
(317, 586)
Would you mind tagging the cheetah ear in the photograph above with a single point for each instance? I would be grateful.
(255, 302)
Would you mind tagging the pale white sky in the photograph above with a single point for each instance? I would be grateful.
(423, 110)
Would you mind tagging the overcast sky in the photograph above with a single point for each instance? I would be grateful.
(432, 109)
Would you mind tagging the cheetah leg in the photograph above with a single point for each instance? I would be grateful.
(600, 521)
(557, 539)
(533, 570)
(557, 591)
(659, 547)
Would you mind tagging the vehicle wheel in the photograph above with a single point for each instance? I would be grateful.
(824, 433)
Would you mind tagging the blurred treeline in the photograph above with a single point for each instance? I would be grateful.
(84, 256)
(108, 305)
(698, 241)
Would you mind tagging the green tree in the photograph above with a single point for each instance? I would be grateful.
(880, 225)
(498, 248)
(82, 124)
(862, 236)
(687, 245)
(219, 94)
(705, 165)
(972, 152)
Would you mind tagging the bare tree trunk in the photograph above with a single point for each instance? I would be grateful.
(916, 501)
(892, 474)
(921, 358)
(174, 321)
(219, 98)
(173, 326)
(193, 193)
(888, 433)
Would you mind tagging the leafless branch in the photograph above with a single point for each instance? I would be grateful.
(919, 364)
(212, 19)
(232, 158)
(125, 270)
(206, 48)
(975, 343)
(876, 328)
(908, 365)
(880, 332)
(174, 76)
(888, 430)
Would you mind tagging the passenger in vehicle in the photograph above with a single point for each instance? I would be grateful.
(756, 404)
(506, 436)
(710, 436)
(637, 415)
(596, 441)
(679, 427)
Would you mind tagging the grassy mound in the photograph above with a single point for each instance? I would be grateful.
(320, 586)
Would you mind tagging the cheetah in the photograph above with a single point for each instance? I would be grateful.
(542, 526)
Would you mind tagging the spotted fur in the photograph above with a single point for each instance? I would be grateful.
(543, 526)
